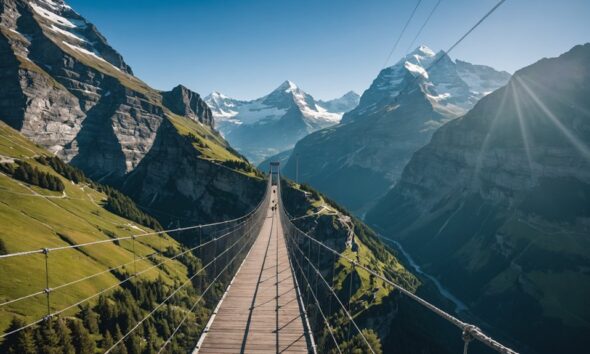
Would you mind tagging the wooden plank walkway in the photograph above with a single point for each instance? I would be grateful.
(261, 312)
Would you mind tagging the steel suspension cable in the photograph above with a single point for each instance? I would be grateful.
(468, 329)
(44, 291)
(401, 34)
(330, 329)
(423, 25)
(346, 312)
(150, 314)
(6, 334)
(112, 240)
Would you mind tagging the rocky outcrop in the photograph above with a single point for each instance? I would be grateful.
(185, 102)
(396, 116)
(178, 187)
(496, 205)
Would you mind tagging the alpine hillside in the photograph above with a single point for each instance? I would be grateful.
(46, 203)
(274, 123)
(66, 89)
(396, 116)
(497, 206)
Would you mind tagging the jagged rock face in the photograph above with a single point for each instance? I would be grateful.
(66, 89)
(180, 188)
(185, 102)
(497, 205)
(396, 116)
(70, 82)
(266, 126)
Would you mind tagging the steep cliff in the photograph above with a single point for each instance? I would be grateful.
(66, 89)
(497, 205)
(396, 116)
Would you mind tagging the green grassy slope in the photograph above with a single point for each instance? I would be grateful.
(32, 218)
(371, 297)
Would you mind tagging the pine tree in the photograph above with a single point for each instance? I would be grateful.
(134, 345)
(64, 336)
(90, 319)
(47, 338)
(117, 334)
(83, 343)
(21, 342)
(107, 341)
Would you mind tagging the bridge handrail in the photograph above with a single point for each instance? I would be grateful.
(469, 331)
(244, 221)
(286, 219)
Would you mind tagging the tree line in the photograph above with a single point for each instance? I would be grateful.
(23, 171)
(117, 202)
(98, 327)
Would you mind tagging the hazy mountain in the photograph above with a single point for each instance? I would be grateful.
(66, 89)
(266, 126)
(497, 205)
(395, 117)
(281, 157)
(347, 102)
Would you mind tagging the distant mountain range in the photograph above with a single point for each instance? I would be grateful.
(274, 123)
(395, 117)
(497, 206)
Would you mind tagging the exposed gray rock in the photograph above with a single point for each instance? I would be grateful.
(497, 205)
(66, 89)
(185, 102)
(359, 160)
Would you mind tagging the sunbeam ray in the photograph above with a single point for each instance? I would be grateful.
(577, 143)
(486, 141)
(523, 128)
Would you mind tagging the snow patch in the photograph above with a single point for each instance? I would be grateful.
(416, 69)
(90, 53)
(57, 19)
(66, 33)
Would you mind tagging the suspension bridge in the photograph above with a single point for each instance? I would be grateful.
(276, 299)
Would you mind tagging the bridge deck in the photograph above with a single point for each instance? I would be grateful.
(261, 312)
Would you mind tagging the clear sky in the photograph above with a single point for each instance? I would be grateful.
(246, 48)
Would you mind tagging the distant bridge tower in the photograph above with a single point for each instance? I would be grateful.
(274, 172)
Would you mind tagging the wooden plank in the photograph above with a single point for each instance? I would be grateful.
(261, 312)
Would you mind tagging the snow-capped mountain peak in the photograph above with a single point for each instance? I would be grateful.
(287, 86)
(74, 34)
(286, 114)
(452, 87)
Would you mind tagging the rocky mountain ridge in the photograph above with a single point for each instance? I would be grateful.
(66, 89)
(496, 205)
(263, 127)
(396, 116)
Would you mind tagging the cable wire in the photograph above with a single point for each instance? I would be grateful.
(172, 294)
(423, 25)
(330, 329)
(346, 312)
(111, 240)
(401, 34)
(116, 285)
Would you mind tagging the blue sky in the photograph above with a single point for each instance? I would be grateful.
(245, 48)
